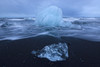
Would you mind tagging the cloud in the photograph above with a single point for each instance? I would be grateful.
(30, 8)
(92, 9)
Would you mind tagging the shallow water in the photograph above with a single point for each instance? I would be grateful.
(19, 28)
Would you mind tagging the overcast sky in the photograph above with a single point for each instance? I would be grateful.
(30, 8)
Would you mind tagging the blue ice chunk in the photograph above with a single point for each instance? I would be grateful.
(52, 16)
(53, 52)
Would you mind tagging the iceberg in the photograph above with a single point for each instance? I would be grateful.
(52, 16)
(53, 52)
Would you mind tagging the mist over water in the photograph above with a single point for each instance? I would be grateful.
(50, 22)
(84, 28)
(63, 33)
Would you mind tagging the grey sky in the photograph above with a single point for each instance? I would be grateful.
(30, 8)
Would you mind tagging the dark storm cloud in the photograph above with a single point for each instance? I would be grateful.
(29, 8)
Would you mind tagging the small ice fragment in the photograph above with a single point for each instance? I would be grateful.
(53, 52)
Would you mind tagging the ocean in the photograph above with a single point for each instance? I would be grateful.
(20, 36)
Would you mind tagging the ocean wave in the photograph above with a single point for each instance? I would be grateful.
(85, 28)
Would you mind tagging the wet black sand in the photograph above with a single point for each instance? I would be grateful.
(82, 53)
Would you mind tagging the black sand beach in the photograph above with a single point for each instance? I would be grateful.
(17, 53)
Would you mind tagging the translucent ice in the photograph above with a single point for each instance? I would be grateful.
(53, 52)
(52, 16)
